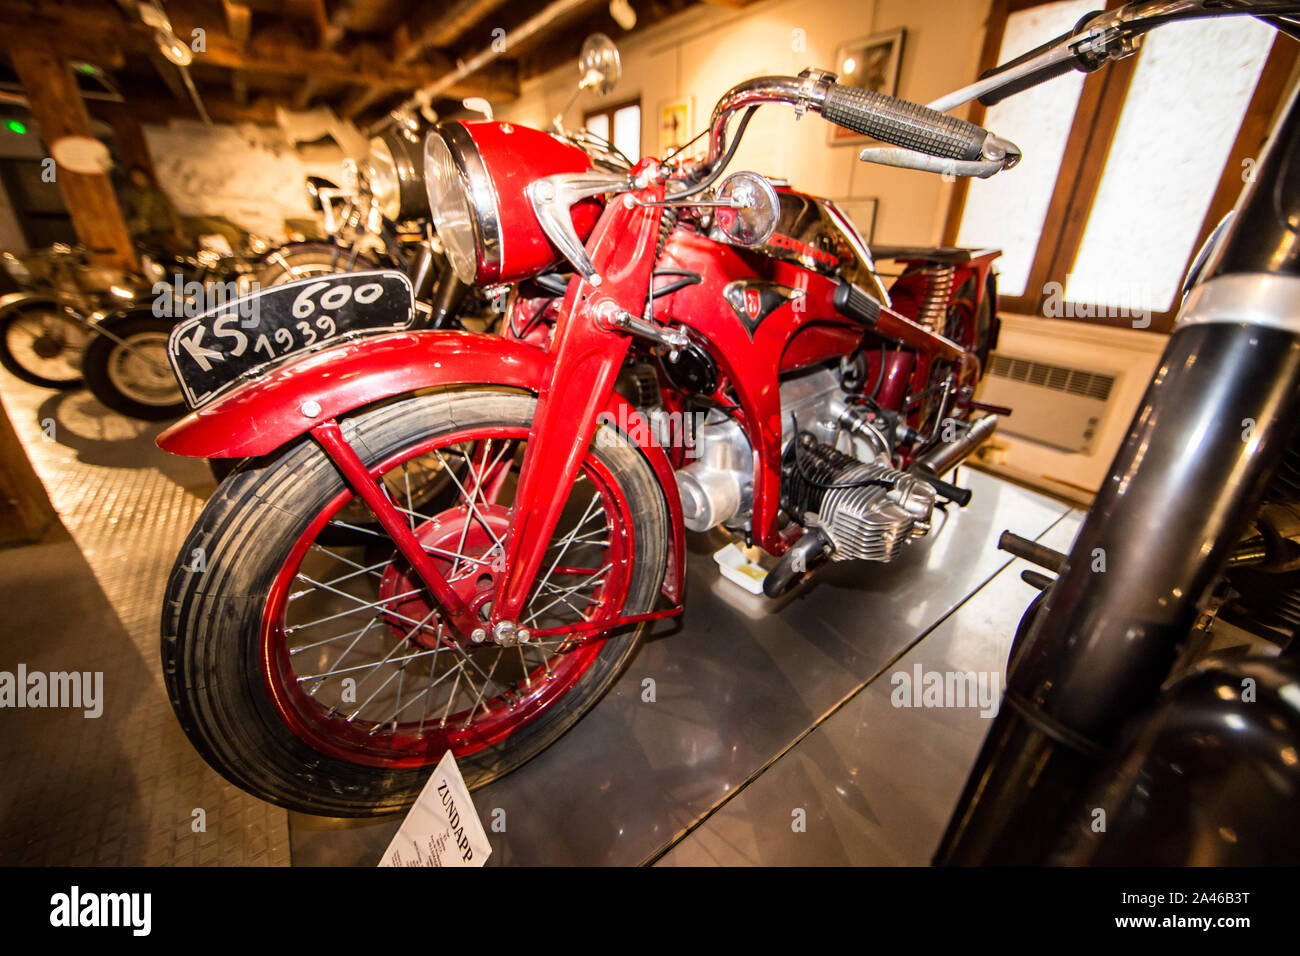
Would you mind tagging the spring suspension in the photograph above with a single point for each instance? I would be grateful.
(666, 224)
(933, 313)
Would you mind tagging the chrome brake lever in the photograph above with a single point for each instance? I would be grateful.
(998, 154)
(912, 159)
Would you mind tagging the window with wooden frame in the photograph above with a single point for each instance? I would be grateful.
(1126, 170)
(619, 124)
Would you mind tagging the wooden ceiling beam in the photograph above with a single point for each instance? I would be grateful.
(66, 27)
(56, 105)
(445, 23)
(443, 26)
(312, 11)
(222, 109)
(239, 23)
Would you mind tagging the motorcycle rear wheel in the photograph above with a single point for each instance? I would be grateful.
(42, 343)
(255, 680)
(130, 373)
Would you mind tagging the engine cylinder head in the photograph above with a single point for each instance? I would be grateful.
(867, 509)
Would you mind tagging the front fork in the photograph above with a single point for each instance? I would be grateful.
(1180, 494)
(1209, 432)
(587, 353)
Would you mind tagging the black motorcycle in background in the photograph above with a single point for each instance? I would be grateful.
(1114, 712)
(381, 223)
(70, 322)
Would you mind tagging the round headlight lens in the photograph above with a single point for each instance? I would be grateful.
(381, 171)
(449, 202)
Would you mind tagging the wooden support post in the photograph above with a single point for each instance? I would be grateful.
(59, 111)
(25, 509)
(132, 147)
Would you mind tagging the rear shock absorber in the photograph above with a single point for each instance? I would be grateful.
(933, 313)
(667, 222)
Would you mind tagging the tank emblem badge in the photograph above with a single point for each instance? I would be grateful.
(753, 300)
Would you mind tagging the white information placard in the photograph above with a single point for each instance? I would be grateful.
(442, 828)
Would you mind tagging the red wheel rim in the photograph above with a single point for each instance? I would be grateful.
(415, 737)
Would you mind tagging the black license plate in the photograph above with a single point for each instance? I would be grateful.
(240, 340)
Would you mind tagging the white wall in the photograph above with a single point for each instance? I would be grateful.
(1132, 354)
(706, 50)
(250, 174)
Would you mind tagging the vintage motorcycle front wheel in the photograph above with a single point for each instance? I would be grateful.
(320, 677)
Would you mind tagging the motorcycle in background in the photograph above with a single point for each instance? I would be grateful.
(74, 323)
(382, 223)
(46, 325)
(125, 364)
(325, 665)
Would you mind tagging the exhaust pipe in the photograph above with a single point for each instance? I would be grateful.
(946, 456)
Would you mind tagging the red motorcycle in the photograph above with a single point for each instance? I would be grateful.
(680, 353)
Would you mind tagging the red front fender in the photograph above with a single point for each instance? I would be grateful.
(257, 418)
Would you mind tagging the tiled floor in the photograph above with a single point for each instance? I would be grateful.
(758, 711)
(123, 788)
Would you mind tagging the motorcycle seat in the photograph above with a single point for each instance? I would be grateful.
(947, 255)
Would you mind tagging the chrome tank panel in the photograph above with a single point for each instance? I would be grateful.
(815, 234)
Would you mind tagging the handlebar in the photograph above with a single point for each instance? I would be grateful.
(1103, 36)
(919, 130)
(1068, 62)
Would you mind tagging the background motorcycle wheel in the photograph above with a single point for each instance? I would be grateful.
(289, 265)
(253, 674)
(969, 324)
(41, 342)
(137, 381)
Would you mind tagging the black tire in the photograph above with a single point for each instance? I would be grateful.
(140, 383)
(71, 336)
(222, 467)
(212, 620)
(355, 513)
(301, 262)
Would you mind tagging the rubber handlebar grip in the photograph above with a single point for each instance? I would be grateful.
(903, 123)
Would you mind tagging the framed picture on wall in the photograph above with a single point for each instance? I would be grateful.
(676, 124)
(862, 213)
(871, 63)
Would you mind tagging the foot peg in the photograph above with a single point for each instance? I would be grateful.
(804, 556)
(954, 493)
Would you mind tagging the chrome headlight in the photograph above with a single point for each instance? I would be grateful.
(381, 172)
(393, 174)
(460, 198)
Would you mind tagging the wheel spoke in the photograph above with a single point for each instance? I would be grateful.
(567, 540)
(483, 690)
(379, 636)
(581, 584)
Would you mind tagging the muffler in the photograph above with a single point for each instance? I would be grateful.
(946, 456)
